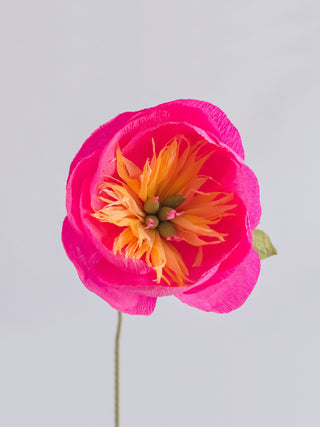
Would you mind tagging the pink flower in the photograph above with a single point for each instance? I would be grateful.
(160, 202)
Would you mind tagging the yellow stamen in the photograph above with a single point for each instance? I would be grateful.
(171, 177)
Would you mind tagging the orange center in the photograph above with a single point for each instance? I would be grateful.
(163, 203)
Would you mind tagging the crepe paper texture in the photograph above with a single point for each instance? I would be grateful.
(160, 202)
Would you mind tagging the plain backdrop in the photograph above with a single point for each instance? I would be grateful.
(68, 66)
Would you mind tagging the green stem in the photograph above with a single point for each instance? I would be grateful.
(117, 353)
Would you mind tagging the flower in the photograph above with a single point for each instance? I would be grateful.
(160, 202)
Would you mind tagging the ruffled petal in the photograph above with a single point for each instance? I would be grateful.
(247, 187)
(197, 113)
(100, 137)
(237, 177)
(80, 173)
(229, 293)
(89, 263)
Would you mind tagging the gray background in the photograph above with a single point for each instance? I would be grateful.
(69, 66)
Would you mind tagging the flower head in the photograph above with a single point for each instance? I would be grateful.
(159, 203)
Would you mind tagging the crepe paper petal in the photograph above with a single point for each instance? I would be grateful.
(88, 262)
(229, 293)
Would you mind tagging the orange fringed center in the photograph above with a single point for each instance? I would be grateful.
(163, 203)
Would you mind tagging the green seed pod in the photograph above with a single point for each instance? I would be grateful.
(166, 213)
(152, 205)
(166, 229)
(151, 222)
(173, 201)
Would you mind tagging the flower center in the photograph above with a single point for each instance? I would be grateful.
(158, 207)
(160, 213)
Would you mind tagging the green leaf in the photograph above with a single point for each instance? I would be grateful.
(262, 244)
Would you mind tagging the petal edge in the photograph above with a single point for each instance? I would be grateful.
(230, 293)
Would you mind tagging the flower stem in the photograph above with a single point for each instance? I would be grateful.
(116, 376)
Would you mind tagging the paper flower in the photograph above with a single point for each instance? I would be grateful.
(160, 202)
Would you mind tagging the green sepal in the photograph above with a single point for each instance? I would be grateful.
(262, 244)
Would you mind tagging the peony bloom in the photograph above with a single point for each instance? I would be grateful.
(160, 202)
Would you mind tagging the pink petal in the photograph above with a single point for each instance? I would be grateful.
(87, 260)
(197, 113)
(84, 169)
(229, 293)
(233, 175)
(214, 256)
(247, 187)
(100, 137)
